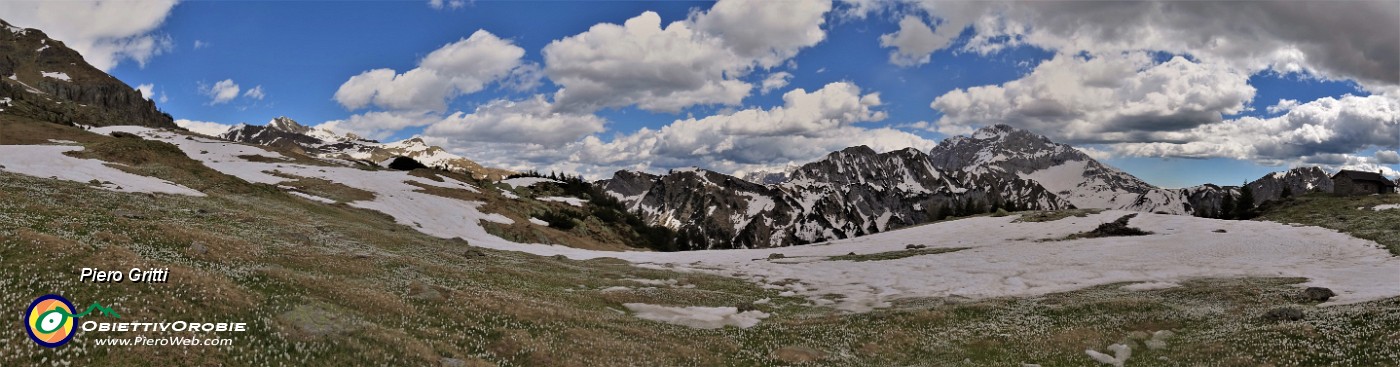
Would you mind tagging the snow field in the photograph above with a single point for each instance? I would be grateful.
(697, 317)
(49, 161)
(1002, 258)
(526, 181)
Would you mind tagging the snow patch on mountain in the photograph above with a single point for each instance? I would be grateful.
(999, 257)
(697, 317)
(564, 199)
(312, 197)
(56, 75)
(48, 161)
(283, 132)
(527, 181)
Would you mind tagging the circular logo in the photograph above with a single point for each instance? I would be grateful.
(50, 320)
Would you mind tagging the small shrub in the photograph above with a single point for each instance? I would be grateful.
(402, 163)
(562, 221)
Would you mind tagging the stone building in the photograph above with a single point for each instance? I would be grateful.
(1361, 183)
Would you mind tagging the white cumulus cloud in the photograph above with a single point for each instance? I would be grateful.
(806, 126)
(775, 81)
(528, 121)
(695, 61)
(458, 68)
(221, 92)
(380, 124)
(255, 93)
(203, 127)
(1327, 131)
(148, 91)
(1110, 98)
(1330, 39)
(914, 43)
(105, 32)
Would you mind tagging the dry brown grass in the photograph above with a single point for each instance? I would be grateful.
(16, 130)
(324, 188)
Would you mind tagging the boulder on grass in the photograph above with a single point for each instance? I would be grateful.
(1318, 294)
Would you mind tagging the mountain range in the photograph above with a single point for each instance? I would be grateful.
(858, 191)
(286, 134)
(852, 192)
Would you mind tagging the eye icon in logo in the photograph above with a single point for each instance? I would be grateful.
(50, 320)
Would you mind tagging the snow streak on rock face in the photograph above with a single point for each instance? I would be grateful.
(285, 133)
(1088, 183)
(849, 193)
(1065, 171)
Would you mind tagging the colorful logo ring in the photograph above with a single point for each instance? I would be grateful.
(50, 320)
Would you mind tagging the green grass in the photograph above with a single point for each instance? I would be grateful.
(891, 255)
(333, 289)
(1348, 214)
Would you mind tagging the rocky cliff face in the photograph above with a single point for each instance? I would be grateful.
(1297, 181)
(1067, 172)
(1208, 199)
(42, 79)
(285, 133)
(857, 191)
(766, 177)
(849, 193)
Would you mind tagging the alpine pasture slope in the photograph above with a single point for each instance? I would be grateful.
(996, 272)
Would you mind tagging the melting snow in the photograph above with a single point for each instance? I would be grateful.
(50, 162)
(1001, 259)
(538, 221)
(527, 181)
(1385, 207)
(564, 199)
(697, 317)
(56, 75)
(1147, 286)
(312, 197)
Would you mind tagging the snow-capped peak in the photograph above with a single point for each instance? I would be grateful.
(286, 124)
(1010, 152)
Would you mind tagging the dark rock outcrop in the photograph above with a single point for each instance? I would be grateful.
(42, 79)
(405, 164)
(1011, 153)
(1208, 200)
(1318, 294)
(852, 192)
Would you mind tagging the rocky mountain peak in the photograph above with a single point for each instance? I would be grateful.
(1010, 153)
(286, 124)
(1297, 181)
(283, 132)
(1002, 148)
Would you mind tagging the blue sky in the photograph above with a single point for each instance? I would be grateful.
(1158, 118)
